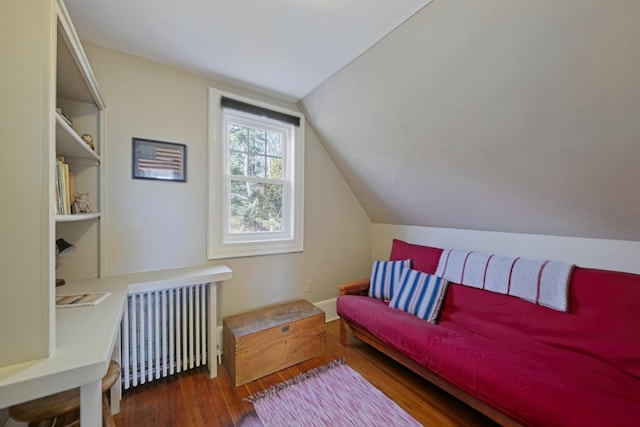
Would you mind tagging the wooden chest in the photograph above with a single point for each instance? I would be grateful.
(265, 341)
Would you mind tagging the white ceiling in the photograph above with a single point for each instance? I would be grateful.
(285, 47)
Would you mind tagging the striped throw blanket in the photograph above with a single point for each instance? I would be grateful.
(541, 282)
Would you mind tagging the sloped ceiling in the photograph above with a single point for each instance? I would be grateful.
(516, 116)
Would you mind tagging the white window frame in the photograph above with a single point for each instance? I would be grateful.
(287, 130)
(222, 244)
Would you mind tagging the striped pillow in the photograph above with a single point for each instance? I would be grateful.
(385, 278)
(420, 294)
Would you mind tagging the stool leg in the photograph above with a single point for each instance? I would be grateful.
(107, 418)
(43, 423)
(69, 419)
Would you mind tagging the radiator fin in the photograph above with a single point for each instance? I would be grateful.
(164, 332)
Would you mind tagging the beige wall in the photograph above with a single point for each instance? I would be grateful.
(152, 225)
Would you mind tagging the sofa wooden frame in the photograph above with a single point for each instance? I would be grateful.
(361, 287)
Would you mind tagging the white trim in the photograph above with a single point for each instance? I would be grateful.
(216, 247)
(329, 308)
(71, 36)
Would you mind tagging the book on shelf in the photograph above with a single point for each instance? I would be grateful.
(57, 191)
(64, 116)
(60, 181)
(72, 189)
(65, 188)
(67, 199)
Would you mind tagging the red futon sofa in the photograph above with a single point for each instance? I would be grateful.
(514, 361)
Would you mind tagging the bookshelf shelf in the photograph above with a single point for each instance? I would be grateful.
(77, 217)
(69, 143)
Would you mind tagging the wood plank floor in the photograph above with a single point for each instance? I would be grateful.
(191, 399)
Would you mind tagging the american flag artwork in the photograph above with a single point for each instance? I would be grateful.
(158, 160)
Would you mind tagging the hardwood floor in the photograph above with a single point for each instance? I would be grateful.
(191, 399)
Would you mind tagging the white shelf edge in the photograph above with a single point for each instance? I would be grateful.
(77, 217)
(75, 47)
(81, 149)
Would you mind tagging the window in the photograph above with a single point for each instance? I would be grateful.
(256, 178)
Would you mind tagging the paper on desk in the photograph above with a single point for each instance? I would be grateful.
(80, 300)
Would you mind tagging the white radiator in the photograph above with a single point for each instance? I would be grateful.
(164, 332)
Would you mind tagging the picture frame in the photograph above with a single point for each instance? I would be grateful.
(158, 160)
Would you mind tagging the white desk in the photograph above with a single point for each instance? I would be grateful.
(85, 338)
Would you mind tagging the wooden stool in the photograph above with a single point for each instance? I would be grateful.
(63, 409)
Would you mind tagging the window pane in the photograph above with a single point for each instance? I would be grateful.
(274, 144)
(238, 137)
(274, 168)
(237, 163)
(257, 141)
(255, 207)
(257, 166)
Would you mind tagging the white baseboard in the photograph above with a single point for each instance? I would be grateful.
(328, 306)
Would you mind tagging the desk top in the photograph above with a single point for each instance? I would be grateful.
(85, 336)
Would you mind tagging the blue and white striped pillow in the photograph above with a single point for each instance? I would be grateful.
(385, 278)
(420, 294)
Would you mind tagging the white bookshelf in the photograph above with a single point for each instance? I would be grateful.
(79, 97)
(45, 68)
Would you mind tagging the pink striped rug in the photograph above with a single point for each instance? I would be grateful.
(332, 395)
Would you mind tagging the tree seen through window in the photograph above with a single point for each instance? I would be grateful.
(257, 186)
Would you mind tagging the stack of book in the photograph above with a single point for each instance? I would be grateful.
(64, 188)
(64, 116)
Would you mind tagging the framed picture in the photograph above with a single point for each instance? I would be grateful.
(165, 161)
